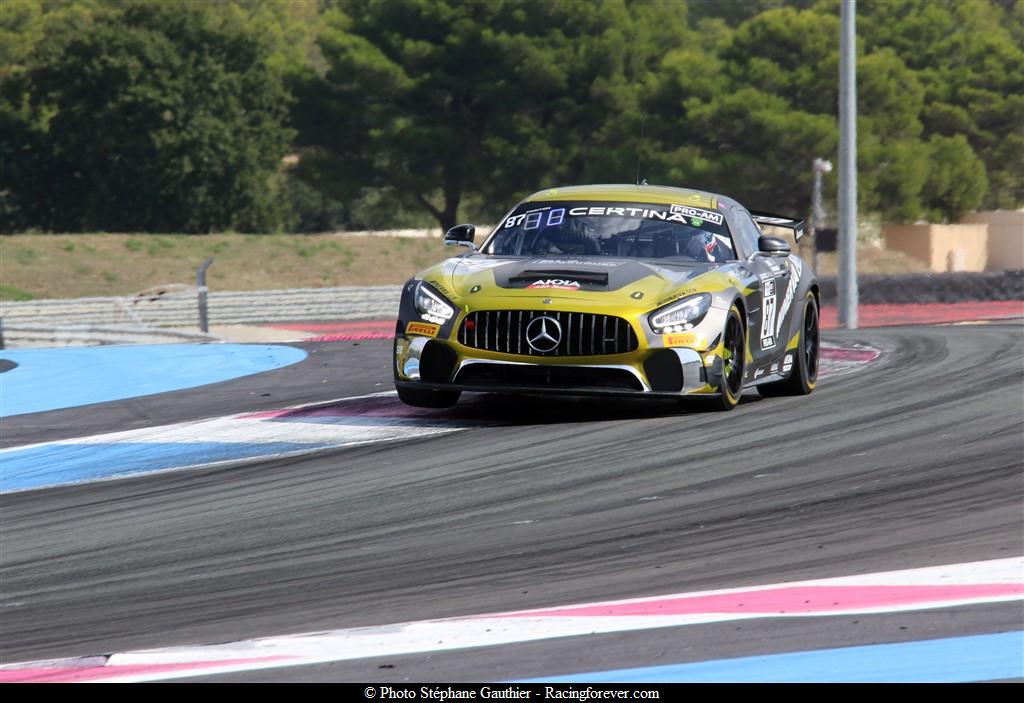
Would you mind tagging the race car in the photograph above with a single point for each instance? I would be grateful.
(630, 290)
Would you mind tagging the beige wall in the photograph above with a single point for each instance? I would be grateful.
(941, 247)
(1005, 238)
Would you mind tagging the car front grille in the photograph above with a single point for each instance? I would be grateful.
(561, 334)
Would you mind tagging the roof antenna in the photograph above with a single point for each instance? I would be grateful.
(639, 146)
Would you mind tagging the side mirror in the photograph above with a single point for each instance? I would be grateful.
(772, 246)
(461, 236)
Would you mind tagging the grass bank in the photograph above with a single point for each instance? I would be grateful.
(80, 265)
(72, 266)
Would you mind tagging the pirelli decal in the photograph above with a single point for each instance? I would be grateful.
(687, 339)
(423, 329)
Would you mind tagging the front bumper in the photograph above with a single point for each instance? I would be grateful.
(444, 364)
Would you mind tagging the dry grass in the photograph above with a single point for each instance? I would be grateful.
(72, 266)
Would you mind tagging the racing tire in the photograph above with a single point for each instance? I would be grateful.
(425, 398)
(804, 375)
(734, 357)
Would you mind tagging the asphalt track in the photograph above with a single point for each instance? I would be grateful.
(914, 461)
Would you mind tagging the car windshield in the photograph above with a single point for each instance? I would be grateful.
(637, 230)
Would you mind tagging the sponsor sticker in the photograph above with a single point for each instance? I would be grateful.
(797, 269)
(701, 214)
(422, 328)
(440, 287)
(574, 262)
(675, 213)
(676, 296)
(768, 313)
(696, 200)
(680, 340)
(472, 266)
(556, 283)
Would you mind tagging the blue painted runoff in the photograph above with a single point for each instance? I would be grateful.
(58, 464)
(51, 379)
(951, 660)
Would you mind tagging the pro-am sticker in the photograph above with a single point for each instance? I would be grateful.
(555, 283)
(423, 329)
(709, 215)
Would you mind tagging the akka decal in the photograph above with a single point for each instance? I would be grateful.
(422, 328)
(556, 283)
(768, 311)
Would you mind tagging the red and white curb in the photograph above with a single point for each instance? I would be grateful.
(957, 585)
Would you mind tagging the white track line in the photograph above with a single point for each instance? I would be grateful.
(956, 585)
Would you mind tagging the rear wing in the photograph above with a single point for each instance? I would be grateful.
(766, 218)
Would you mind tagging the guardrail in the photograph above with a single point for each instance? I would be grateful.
(179, 308)
(78, 335)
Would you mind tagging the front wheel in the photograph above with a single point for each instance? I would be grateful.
(804, 376)
(734, 356)
(426, 398)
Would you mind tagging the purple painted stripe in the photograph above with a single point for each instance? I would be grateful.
(66, 672)
(803, 599)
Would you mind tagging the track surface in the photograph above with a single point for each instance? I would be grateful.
(914, 461)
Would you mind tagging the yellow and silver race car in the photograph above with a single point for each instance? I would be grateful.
(613, 290)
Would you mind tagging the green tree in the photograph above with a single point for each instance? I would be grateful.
(443, 99)
(969, 58)
(749, 118)
(956, 180)
(174, 122)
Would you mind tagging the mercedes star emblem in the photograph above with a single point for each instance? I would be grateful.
(543, 334)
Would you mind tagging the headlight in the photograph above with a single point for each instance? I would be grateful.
(681, 315)
(431, 306)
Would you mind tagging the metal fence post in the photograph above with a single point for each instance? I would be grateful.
(847, 249)
(204, 325)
